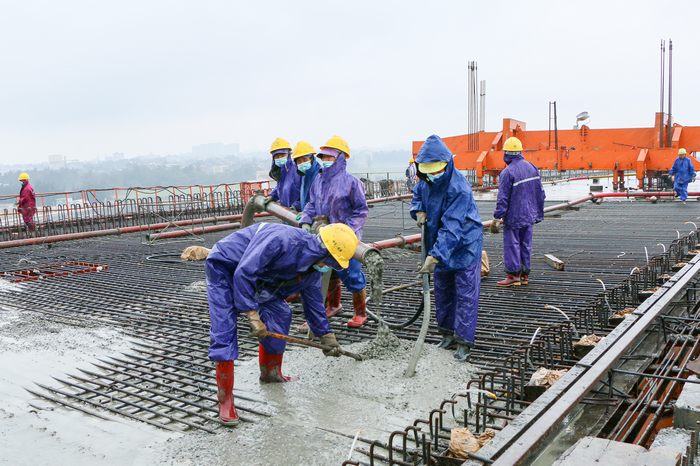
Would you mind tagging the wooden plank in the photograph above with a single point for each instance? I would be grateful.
(554, 262)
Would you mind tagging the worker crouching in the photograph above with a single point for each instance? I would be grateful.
(443, 202)
(341, 197)
(520, 204)
(252, 272)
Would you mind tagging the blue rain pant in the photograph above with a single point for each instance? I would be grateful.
(517, 250)
(457, 300)
(681, 190)
(353, 278)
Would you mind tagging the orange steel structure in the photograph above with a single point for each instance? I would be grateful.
(617, 150)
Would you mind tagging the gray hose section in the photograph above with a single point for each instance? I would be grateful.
(249, 212)
(411, 369)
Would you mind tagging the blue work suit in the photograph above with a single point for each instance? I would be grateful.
(685, 173)
(454, 236)
(340, 196)
(257, 268)
(307, 179)
(287, 191)
(520, 204)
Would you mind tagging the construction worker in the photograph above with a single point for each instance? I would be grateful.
(520, 204)
(251, 272)
(682, 173)
(304, 156)
(341, 197)
(443, 202)
(285, 173)
(411, 178)
(26, 204)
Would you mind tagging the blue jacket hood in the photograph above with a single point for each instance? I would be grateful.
(434, 150)
(510, 158)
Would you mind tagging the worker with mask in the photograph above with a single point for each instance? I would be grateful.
(304, 156)
(341, 197)
(27, 202)
(284, 171)
(251, 272)
(520, 204)
(443, 202)
(682, 173)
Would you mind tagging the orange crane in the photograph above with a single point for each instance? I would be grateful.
(637, 149)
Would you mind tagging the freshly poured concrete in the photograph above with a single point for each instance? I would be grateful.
(340, 394)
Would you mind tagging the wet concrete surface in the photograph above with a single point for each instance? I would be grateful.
(339, 394)
(37, 432)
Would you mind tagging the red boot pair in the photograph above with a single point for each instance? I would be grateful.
(224, 384)
(513, 280)
(271, 368)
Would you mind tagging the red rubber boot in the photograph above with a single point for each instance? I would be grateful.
(271, 368)
(358, 302)
(294, 298)
(524, 279)
(333, 305)
(511, 280)
(224, 384)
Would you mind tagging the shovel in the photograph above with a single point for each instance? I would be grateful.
(357, 357)
(411, 369)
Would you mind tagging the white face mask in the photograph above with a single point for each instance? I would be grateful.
(281, 161)
(432, 177)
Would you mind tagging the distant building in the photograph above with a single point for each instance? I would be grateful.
(216, 149)
(57, 162)
(118, 156)
(215, 169)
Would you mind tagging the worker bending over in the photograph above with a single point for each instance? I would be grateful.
(341, 197)
(683, 173)
(27, 201)
(520, 204)
(284, 171)
(304, 156)
(443, 202)
(252, 271)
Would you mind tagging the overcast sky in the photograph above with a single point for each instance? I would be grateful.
(86, 79)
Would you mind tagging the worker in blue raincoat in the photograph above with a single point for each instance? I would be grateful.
(304, 156)
(443, 202)
(520, 204)
(284, 171)
(683, 173)
(252, 272)
(341, 197)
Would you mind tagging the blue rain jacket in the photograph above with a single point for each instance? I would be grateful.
(288, 186)
(339, 195)
(454, 233)
(244, 272)
(520, 194)
(683, 169)
(307, 180)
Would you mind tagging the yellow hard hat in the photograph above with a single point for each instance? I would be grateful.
(336, 142)
(279, 144)
(302, 149)
(23, 176)
(432, 167)
(682, 151)
(513, 145)
(340, 241)
(411, 161)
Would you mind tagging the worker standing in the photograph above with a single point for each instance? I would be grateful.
(411, 178)
(520, 204)
(443, 202)
(252, 271)
(341, 197)
(682, 173)
(27, 201)
(304, 156)
(285, 173)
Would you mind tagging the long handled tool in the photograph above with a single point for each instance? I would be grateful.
(355, 356)
(411, 369)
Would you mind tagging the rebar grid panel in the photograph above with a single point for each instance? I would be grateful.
(154, 300)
